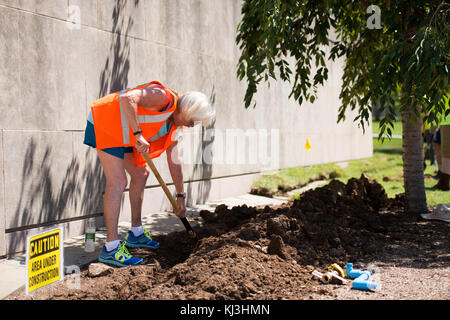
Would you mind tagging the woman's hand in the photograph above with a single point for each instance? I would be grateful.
(181, 213)
(142, 145)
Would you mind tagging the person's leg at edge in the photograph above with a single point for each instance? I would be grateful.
(437, 150)
(116, 182)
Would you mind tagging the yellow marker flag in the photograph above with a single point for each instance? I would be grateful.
(308, 145)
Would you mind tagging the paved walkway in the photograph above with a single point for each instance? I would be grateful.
(13, 271)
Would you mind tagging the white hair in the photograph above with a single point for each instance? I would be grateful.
(195, 106)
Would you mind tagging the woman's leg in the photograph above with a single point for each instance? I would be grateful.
(138, 180)
(116, 182)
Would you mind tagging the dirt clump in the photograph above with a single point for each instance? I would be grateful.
(276, 246)
(269, 253)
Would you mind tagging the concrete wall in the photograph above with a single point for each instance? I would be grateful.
(51, 69)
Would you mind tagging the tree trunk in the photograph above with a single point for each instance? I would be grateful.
(416, 201)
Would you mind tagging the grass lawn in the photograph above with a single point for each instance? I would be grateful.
(397, 128)
(385, 166)
(292, 178)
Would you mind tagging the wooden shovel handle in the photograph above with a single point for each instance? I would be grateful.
(161, 181)
(168, 194)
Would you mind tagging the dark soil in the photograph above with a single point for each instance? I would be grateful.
(269, 253)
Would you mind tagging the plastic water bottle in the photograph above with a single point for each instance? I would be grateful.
(89, 239)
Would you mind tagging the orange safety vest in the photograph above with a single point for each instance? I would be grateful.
(112, 128)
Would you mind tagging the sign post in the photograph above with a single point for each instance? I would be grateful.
(45, 259)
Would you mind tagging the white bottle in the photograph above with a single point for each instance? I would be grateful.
(89, 239)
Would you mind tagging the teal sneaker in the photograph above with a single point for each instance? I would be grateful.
(120, 257)
(143, 241)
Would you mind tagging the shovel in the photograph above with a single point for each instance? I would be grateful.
(186, 224)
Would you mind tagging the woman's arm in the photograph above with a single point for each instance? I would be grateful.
(130, 102)
(176, 171)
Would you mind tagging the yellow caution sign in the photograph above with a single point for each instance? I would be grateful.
(308, 145)
(44, 259)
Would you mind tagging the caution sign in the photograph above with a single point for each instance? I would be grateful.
(44, 259)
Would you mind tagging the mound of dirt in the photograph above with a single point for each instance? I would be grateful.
(268, 253)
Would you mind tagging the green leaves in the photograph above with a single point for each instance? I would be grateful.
(287, 39)
(271, 33)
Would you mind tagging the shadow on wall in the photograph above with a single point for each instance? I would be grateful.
(114, 76)
(41, 203)
(80, 192)
(203, 169)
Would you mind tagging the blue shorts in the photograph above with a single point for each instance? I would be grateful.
(89, 139)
